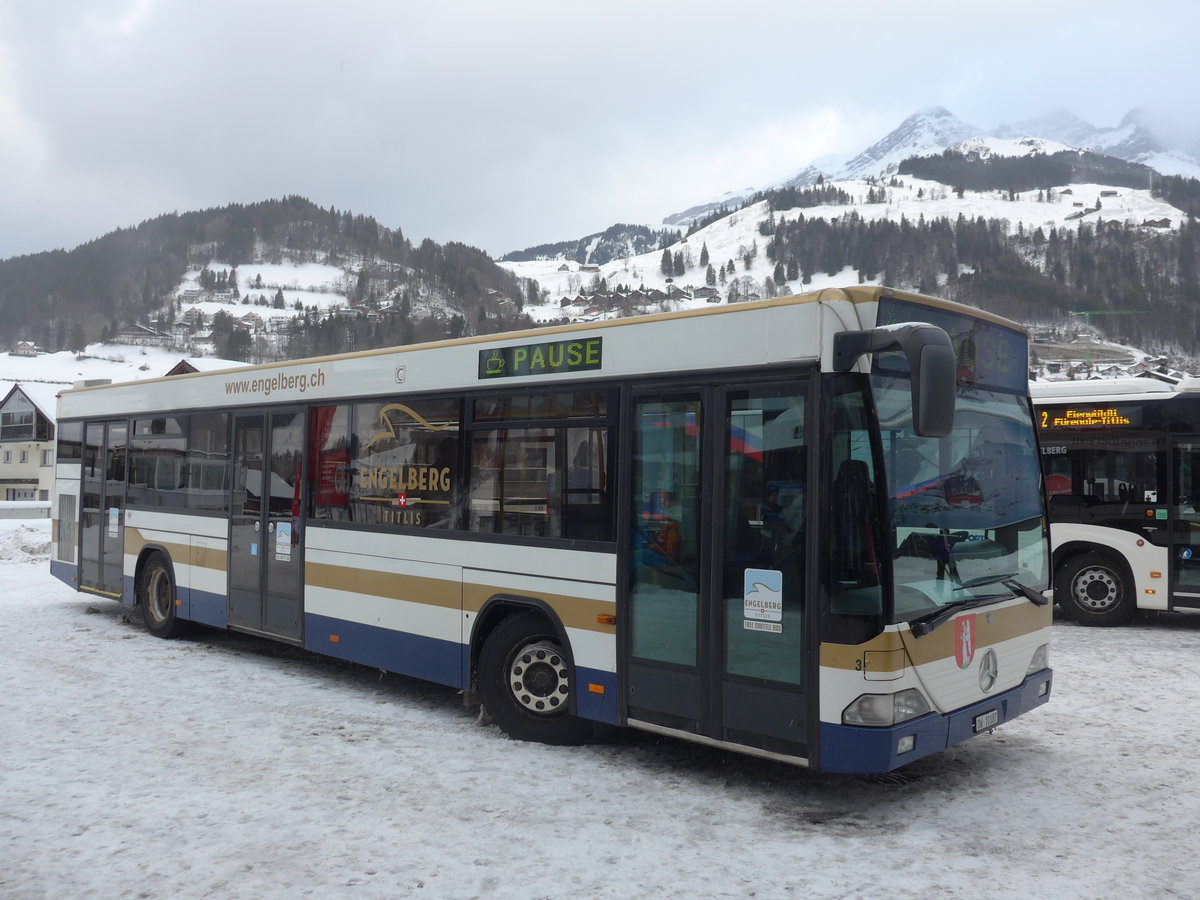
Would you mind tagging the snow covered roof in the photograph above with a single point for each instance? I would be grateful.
(42, 395)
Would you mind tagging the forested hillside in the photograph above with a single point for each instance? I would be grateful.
(66, 299)
(1030, 275)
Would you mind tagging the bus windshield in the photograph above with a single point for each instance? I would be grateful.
(966, 510)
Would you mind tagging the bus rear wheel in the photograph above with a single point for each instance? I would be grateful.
(156, 594)
(525, 681)
(1094, 590)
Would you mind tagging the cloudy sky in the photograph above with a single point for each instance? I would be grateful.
(504, 125)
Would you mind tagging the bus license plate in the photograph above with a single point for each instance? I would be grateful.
(988, 720)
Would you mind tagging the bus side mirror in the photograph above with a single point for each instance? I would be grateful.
(931, 363)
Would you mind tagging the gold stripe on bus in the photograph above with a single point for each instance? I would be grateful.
(1006, 624)
(201, 557)
(390, 585)
(851, 656)
(573, 612)
(1011, 622)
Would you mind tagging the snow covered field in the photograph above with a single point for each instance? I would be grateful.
(224, 766)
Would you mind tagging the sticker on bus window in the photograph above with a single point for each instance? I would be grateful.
(283, 542)
(114, 522)
(762, 598)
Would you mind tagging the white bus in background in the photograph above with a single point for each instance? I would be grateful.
(1121, 459)
(775, 527)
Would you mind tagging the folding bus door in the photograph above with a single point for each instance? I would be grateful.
(102, 511)
(717, 643)
(266, 543)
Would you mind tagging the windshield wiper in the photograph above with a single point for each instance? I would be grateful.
(986, 579)
(927, 623)
(923, 625)
(1037, 598)
(1009, 581)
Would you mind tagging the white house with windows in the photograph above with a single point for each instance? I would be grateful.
(27, 441)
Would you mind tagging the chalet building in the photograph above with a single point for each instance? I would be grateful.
(24, 348)
(27, 441)
(253, 321)
(142, 336)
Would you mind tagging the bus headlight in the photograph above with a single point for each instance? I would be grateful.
(877, 710)
(1041, 659)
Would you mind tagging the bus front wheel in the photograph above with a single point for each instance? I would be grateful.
(1094, 590)
(525, 682)
(156, 594)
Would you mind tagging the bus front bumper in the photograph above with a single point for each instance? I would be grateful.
(857, 750)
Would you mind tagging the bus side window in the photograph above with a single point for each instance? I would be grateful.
(853, 573)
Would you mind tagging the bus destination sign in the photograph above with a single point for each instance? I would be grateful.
(579, 355)
(1093, 417)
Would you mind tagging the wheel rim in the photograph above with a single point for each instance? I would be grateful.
(1096, 589)
(538, 678)
(158, 595)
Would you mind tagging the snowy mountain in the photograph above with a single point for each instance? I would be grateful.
(934, 129)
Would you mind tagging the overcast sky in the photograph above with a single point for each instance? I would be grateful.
(505, 125)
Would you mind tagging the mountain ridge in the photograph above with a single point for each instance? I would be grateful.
(934, 129)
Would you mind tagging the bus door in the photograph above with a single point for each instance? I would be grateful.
(716, 566)
(101, 532)
(265, 540)
(1185, 523)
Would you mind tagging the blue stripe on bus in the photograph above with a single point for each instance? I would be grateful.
(204, 607)
(592, 705)
(857, 750)
(67, 573)
(431, 659)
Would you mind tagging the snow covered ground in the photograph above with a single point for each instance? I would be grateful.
(224, 766)
(310, 284)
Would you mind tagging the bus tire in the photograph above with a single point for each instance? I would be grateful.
(1093, 589)
(525, 682)
(156, 596)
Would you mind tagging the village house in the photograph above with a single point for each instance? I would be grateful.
(142, 336)
(27, 441)
(253, 322)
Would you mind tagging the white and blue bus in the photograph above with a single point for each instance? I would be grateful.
(1122, 466)
(808, 528)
